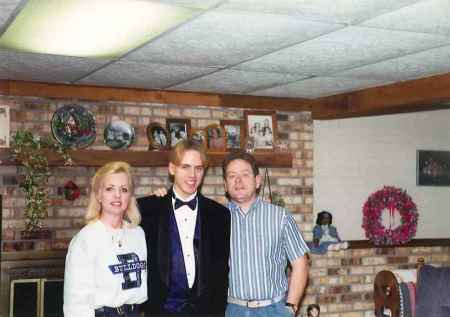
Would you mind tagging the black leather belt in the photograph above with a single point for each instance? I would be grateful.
(121, 310)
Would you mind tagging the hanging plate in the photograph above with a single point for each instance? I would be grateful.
(73, 126)
(119, 135)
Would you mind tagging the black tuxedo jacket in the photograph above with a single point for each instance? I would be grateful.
(212, 261)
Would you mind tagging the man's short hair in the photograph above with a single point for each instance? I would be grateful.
(240, 155)
(176, 155)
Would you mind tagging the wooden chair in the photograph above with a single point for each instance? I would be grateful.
(386, 292)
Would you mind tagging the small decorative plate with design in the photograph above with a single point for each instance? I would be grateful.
(119, 135)
(73, 126)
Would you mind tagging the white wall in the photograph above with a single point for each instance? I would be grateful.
(355, 157)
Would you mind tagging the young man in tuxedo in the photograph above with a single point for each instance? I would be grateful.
(188, 242)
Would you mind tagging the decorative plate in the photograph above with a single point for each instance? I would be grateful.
(119, 135)
(157, 136)
(73, 126)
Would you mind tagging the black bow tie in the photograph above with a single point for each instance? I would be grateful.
(191, 203)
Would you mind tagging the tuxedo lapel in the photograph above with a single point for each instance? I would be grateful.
(163, 238)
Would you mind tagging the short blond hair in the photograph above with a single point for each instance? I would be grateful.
(94, 208)
(176, 155)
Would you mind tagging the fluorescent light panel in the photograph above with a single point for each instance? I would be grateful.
(89, 28)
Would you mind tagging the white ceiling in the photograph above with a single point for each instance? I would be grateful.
(280, 48)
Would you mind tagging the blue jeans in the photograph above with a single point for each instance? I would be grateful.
(275, 310)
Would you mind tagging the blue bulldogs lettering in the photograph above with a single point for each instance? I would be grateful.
(129, 263)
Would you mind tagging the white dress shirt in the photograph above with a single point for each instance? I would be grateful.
(186, 219)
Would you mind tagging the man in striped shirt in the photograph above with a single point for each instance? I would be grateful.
(264, 237)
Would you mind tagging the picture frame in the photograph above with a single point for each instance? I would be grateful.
(216, 137)
(157, 136)
(4, 126)
(199, 135)
(261, 129)
(433, 168)
(235, 133)
(177, 130)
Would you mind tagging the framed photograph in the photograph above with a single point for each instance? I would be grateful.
(261, 129)
(178, 129)
(4, 126)
(235, 132)
(433, 168)
(199, 135)
(158, 137)
(216, 137)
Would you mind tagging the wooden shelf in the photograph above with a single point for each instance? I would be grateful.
(147, 158)
(367, 244)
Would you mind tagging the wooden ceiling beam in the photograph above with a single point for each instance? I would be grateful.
(97, 93)
(432, 93)
(425, 94)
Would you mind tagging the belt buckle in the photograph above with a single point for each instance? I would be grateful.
(120, 310)
(253, 304)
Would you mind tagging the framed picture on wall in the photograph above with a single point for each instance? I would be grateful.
(261, 129)
(157, 136)
(4, 126)
(216, 138)
(235, 133)
(178, 129)
(433, 168)
(199, 135)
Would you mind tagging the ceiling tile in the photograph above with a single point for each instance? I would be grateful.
(413, 18)
(319, 87)
(6, 9)
(47, 68)
(344, 49)
(234, 81)
(143, 75)
(225, 38)
(337, 11)
(428, 63)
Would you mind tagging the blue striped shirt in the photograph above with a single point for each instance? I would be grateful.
(262, 240)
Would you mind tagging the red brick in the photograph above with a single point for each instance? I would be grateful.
(397, 260)
(326, 300)
(12, 246)
(350, 298)
(333, 271)
(351, 261)
(385, 251)
(338, 289)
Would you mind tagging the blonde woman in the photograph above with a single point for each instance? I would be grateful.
(106, 269)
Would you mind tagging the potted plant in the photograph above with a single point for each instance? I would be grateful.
(29, 150)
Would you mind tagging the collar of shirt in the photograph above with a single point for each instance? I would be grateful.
(235, 207)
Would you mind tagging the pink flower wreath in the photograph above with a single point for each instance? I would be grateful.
(393, 199)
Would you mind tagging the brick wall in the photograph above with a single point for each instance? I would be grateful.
(340, 282)
(65, 217)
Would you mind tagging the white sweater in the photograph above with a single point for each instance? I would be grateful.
(96, 266)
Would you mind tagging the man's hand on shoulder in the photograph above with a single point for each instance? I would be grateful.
(160, 192)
